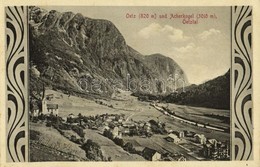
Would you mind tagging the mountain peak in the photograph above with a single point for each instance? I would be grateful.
(66, 42)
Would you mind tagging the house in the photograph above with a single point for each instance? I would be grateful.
(147, 127)
(71, 116)
(105, 128)
(109, 120)
(50, 108)
(53, 108)
(141, 124)
(215, 151)
(35, 110)
(151, 154)
(207, 150)
(125, 131)
(200, 138)
(180, 134)
(189, 133)
(112, 117)
(219, 151)
(212, 142)
(214, 154)
(47, 106)
(222, 151)
(173, 138)
(49, 97)
(64, 119)
(128, 124)
(178, 157)
(139, 149)
(74, 124)
(148, 124)
(115, 132)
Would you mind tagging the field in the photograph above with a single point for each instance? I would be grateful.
(197, 113)
(52, 146)
(158, 143)
(72, 104)
(110, 149)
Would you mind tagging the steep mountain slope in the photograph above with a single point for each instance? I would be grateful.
(213, 94)
(78, 54)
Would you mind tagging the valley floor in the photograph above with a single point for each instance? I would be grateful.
(60, 148)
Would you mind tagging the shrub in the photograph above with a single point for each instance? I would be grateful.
(78, 130)
(48, 124)
(129, 147)
(93, 151)
(108, 134)
(34, 135)
(64, 126)
(73, 138)
(41, 117)
(119, 141)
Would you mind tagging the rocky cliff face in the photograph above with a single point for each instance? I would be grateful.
(67, 49)
(166, 67)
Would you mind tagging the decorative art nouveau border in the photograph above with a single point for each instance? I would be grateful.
(17, 84)
(241, 103)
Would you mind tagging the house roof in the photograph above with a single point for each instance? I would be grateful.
(208, 145)
(212, 141)
(124, 129)
(173, 136)
(149, 152)
(179, 158)
(139, 148)
(52, 106)
(199, 136)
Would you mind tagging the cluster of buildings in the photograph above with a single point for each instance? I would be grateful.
(215, 150)
(177, 136)
(116, 123)
(211, 148)
(208, 148)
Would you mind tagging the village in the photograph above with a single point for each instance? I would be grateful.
(123, 131)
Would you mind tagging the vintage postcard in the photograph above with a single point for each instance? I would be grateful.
(128, 83)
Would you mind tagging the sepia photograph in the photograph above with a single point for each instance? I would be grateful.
(135, 84)
(139, 83)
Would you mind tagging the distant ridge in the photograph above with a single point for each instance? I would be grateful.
(214, 93)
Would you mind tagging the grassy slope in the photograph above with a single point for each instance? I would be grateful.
(56, 144)
(109, 148)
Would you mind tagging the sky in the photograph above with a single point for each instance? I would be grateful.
(202, 50)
